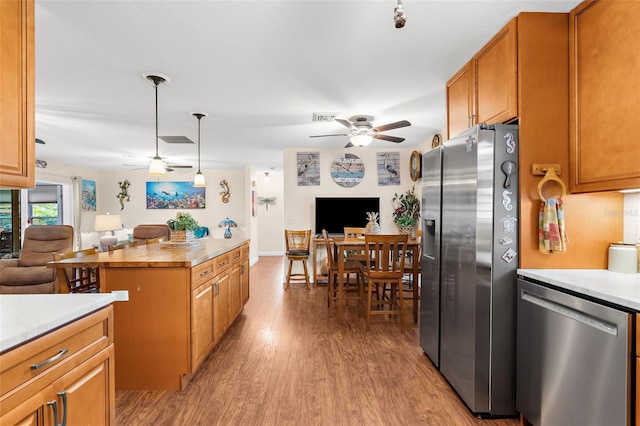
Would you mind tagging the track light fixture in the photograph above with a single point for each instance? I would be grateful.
(199, 181)
(157, 166)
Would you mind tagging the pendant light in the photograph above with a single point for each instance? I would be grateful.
(157, 166)
(198, 181)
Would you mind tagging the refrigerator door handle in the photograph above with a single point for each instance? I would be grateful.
(576, 315)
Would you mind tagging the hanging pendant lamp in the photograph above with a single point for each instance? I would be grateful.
(157, 167)
(198, 180)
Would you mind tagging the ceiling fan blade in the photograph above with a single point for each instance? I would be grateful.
(349, 145)
(345, 123)
(178, 166)
(387, 138)
(322, 136)
(390, 126)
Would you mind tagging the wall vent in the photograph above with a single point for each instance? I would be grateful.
(324, 116)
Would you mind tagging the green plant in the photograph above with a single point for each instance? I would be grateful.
(406, 208)
(183, 222)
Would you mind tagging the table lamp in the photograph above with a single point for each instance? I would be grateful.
(108, 222)
(227, 224)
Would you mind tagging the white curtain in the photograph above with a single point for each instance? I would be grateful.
(76, 216)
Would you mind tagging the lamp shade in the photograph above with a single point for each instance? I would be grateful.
(199, 181)
(107, 222)
(156, 167)
(361, 140)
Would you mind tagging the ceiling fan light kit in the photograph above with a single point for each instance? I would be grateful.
(362, 132)
(198, 180)
(157, 166)
(361, 140)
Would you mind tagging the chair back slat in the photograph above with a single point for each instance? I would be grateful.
(130, 244)
(386, 253)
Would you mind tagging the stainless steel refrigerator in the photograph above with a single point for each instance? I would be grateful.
(475, 267)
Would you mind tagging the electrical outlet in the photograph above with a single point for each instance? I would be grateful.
(121, 295)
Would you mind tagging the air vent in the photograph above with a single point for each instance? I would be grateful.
(176, 139)
(324, 116)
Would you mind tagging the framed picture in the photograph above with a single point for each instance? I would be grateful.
(254, 209)
(88, 198)
(308, 168)
(388, 165)
(175, 195)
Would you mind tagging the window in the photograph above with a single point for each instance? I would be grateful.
(45, 205)
(9, 220)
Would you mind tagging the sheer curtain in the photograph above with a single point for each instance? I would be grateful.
(76, 217)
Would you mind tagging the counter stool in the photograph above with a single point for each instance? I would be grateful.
(297, 244)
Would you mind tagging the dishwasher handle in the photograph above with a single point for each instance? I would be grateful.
(574, 314)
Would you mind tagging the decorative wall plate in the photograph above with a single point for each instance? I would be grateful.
(436, 140)
(347, 170)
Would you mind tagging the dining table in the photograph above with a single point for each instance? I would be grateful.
(342, 245)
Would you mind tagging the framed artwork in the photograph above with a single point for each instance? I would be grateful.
(254, 210)
(308, 168)
(175, 195)
(88, 198)
(388, 165)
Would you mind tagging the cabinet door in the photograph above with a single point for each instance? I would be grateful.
(244, 280)
(88, 390)
(604, 91)
(17, 113)
(220, 306)
(460, 113)
(496, 77)
(201, 323)
(33, 411)
(235, 292)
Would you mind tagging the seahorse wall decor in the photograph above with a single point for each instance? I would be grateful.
(124, 194)
(225, 194)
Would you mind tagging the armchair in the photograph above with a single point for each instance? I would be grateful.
(142, 233)
(29, 273)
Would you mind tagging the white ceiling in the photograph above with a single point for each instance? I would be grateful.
(259, 68)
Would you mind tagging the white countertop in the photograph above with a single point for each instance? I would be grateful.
(26, 316)
(615, 287)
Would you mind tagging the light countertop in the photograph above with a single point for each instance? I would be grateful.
(615, 287)
(26, 316)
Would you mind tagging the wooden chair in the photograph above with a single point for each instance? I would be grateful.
(297, 245)
(129, 244)
(384, 264)
(353, 232)
(351, 292)
(85, 279)
(155, 240)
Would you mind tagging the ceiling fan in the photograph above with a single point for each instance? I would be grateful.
(362, 132)
(167, 167)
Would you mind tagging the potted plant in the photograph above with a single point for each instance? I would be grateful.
(406, 211)
(182, 227)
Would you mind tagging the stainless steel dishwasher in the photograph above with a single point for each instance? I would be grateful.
(573, 359)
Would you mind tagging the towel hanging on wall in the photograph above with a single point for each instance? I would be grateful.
(551, 228)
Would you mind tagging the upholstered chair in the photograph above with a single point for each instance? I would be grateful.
(142, 233)
(29, 273)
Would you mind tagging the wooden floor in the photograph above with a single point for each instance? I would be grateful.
(284, 363)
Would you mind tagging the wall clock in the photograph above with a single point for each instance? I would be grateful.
(415, 165)
(347, 170)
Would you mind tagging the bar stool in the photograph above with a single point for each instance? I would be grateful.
(297, 244)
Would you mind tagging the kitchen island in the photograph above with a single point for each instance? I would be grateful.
(181, 302)
(56, 354)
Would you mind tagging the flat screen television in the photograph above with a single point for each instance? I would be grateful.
(334, 213)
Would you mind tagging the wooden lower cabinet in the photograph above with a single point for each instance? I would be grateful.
(201, 323)
(638, 369)
(220, 306)
(78, 386)
(244, 279)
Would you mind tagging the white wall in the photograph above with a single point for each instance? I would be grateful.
(632, 218)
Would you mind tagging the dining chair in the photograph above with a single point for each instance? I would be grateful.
(350, 291)
(384, 264)
(297, 243)
(84, 279)
(155, 240)
(355, 255)
(128, 244)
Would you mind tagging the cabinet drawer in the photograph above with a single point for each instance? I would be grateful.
(41, 357)
(200, 273)
(236, 255)
(221, 263)
(245, 251)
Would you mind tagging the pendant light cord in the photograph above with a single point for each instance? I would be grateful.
(155, 83)
(199, 118)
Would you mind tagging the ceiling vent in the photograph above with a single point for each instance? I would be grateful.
(176, 139)
(324, 116)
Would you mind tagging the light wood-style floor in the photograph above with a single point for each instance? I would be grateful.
(284, 363)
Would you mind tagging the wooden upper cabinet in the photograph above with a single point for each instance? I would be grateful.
(460, 113)
(485, 90)
(496, 73)
(17, 96)
(604, 92)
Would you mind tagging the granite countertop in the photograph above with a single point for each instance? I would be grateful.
(26, 316)
(614, 287)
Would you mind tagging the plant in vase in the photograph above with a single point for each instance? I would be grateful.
(406, 211)
(182, 227)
